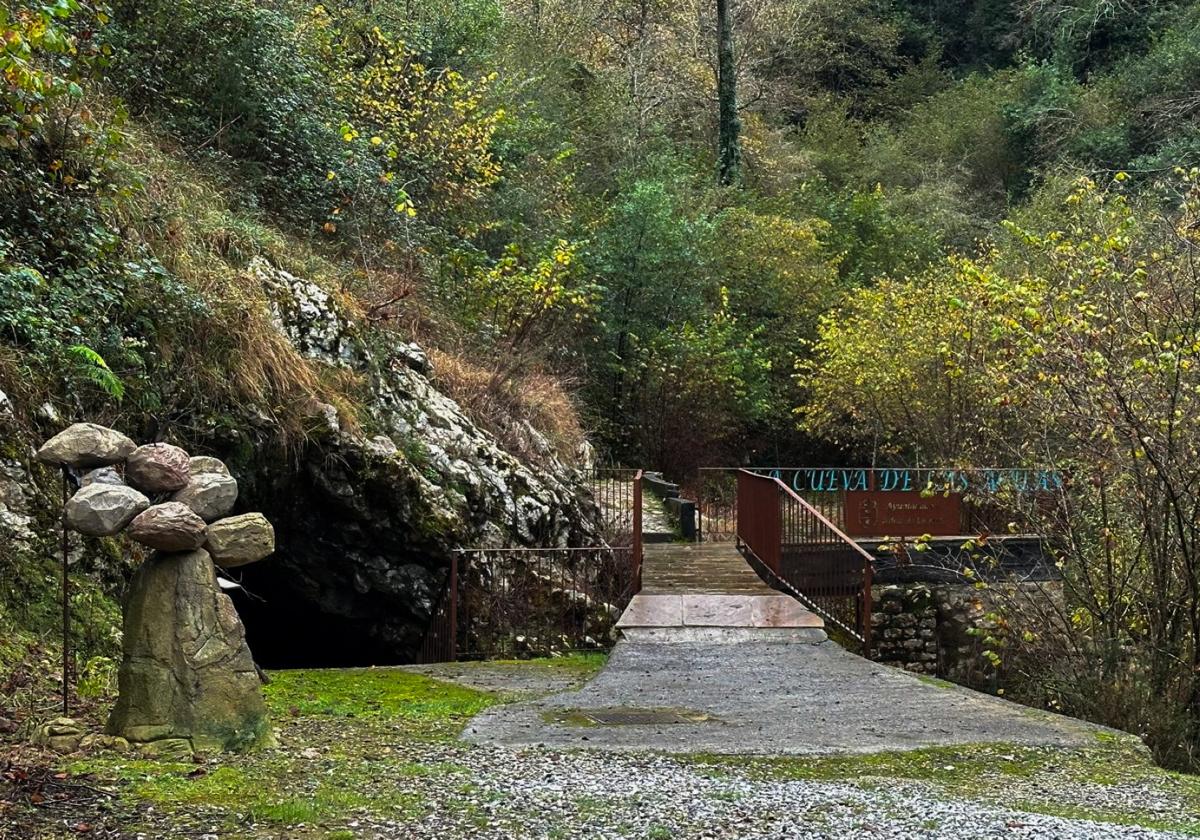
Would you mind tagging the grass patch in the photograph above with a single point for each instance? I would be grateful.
(367, 727)
(579, 663)
(437, 709)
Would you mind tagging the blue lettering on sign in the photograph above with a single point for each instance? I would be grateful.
(833, 480)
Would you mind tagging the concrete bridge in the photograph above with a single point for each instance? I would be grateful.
(699, 591)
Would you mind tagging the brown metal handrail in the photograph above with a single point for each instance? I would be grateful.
(800, 546)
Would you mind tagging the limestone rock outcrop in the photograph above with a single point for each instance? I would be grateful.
(86, 445)
(187, 671)
(102, 509)
(238, 540)
(158, 468)
(367, 521)
(210, 495)
(171, 526)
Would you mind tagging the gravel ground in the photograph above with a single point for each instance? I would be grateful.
(540, 794)
(347, 768)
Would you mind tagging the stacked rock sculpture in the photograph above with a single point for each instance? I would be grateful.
(186, 673)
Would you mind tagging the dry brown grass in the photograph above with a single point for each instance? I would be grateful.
(237, 356)
(504, 406)
(186, 215)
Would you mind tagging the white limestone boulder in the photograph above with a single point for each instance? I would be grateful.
(86, 445)
(102, 475)
(201, 464)
(102, 510)
(209, 495)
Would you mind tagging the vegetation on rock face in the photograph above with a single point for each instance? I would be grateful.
(963, 233)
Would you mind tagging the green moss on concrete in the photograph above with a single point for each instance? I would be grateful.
(437, 709)
(936, 682)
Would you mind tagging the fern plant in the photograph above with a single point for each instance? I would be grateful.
(91, 366)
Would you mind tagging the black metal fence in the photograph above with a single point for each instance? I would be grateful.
(529, 601)
(534, 602)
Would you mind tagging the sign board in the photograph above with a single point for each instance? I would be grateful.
(914, 480)
(885, 513)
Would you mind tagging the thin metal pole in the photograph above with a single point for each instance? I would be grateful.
(66, 602)
(453, 607)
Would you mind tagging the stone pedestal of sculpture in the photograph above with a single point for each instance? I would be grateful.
(186, 671)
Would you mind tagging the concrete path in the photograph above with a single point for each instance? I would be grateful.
(713, 660)
(765, 698)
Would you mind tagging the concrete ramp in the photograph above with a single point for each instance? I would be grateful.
(766, 698)
(694, 593)
(713, 660)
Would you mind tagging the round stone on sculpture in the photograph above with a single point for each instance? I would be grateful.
(171, 526)
(158, 468)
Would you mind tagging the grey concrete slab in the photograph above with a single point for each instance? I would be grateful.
(766, 697)
(781, 611)
(653, 611)
(709, 610)
(716, 610)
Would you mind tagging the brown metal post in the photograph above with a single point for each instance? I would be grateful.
(453, 593)
(637, 529)
(66, 602)
(865, 611)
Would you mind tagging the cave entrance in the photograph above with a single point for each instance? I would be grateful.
(284, 631)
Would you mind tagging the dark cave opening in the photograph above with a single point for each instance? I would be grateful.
(285, 630)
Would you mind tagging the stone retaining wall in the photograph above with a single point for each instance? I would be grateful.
(941, 628)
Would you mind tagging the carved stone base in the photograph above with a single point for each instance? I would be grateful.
(187, 672)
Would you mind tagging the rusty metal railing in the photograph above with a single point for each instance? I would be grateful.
(715, 491)
(540, 601)
(525, 601)
(798, 549)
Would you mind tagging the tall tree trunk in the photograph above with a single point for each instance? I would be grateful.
(729, 152)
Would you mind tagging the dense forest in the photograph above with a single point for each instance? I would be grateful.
(961, 233)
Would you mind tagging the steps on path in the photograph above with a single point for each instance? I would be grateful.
(708, 592)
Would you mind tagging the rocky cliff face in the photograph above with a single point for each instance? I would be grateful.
(369, 507)
(370, 511)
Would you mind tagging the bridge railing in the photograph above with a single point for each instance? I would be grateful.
(799, 550)
(503, 602)
(715, 491)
